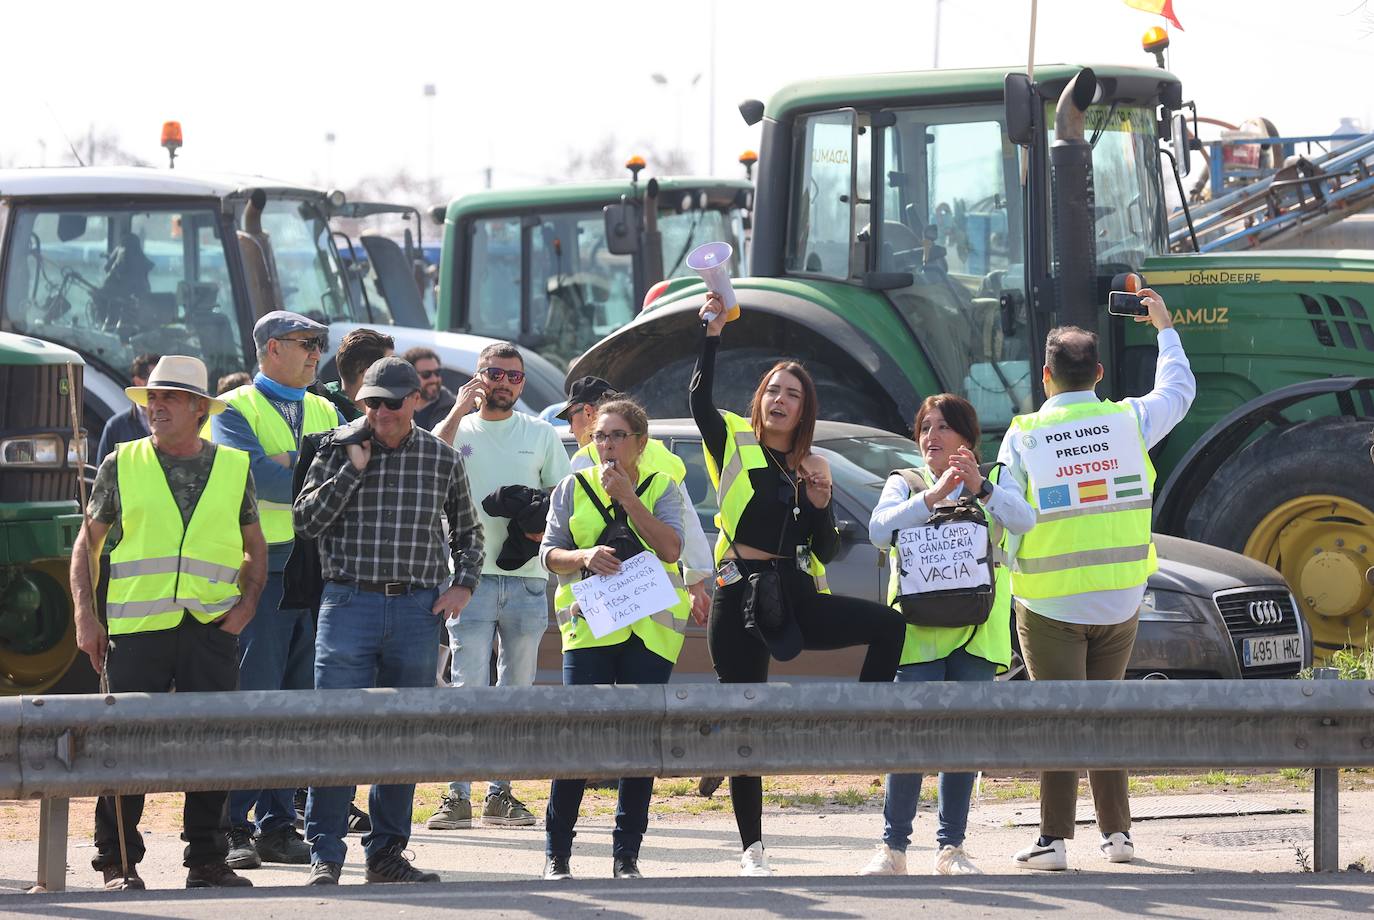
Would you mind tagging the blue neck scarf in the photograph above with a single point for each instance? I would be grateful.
(278, 390)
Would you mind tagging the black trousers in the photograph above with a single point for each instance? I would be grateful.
(827, 621)
(192, 658)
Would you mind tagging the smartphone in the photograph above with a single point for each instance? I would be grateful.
(1124, 303)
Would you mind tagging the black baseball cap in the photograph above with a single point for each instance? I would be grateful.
(586, 390)
(389, 378)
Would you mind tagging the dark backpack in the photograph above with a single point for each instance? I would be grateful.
(959, 606)
(617, 534)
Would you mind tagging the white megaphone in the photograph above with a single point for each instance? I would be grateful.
(712, 262)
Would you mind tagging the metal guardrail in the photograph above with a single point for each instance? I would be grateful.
(58, 747)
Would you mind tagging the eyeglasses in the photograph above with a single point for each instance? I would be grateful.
(495, 374)
(314, 343)
(376, 402)
(425, 375)
(601, 437)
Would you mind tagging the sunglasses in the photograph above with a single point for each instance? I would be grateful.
(425, 375)
(376, 402)
(495, 374)
(316, 343)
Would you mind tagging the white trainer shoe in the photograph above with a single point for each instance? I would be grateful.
(953, 860)
(1051, 858)
(885, 861)
(1118, 847)
(754, 863)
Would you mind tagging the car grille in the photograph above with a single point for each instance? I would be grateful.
(1235, 610)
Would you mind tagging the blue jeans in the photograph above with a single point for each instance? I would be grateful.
(517, 610)
(956, 789)
(276, 652)
(627, 663)
(369, 640)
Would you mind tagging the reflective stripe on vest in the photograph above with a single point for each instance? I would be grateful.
(734, 488)
(662, 632)
(1083, 548)
(161, 568)
(275, 437)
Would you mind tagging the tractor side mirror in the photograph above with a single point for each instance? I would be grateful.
(1019, 97)
(1182, 149)
(622, 228)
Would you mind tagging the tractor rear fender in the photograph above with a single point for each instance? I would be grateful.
(1225, 438)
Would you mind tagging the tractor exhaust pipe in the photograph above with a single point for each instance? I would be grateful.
(1075, 238)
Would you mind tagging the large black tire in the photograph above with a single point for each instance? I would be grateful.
(1328, 456)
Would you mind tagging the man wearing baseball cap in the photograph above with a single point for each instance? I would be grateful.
(183, 586)
(377, 498)
(580, 410)
(267, 419)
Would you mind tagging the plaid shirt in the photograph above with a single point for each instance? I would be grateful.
(386, 523)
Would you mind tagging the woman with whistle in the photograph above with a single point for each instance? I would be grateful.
(599, 519)
(777, 531)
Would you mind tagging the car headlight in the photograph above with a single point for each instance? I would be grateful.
(1168, 607)
(38, 450)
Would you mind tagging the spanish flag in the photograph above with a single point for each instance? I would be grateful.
(1092, 490)
(1163, 8)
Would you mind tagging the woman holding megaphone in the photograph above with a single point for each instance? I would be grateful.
(777, 531)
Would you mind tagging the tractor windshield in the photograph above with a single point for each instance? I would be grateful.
(117, 282)
(950, 218)
(308, 270)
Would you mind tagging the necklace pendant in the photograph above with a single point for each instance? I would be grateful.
(796, 512)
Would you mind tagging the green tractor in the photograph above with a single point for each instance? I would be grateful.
(41, 458)
(555, 268)
(919, 232)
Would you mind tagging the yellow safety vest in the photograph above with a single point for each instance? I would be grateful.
(275, 437)
(161, 567)
(657, 458)
(1084, 547)
(990, 640)
(734, 489)
(662, 632)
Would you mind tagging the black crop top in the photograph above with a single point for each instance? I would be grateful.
(776, 490)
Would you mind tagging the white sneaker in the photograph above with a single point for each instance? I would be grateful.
(954, 861)
(1118, 847)
(1052, 858)
(754, 863)
(886, 861)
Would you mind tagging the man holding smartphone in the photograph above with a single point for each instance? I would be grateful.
(1078, 576)
(500, 447)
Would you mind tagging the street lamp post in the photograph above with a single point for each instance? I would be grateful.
(430, 93)
(679, 90)
(329, 158)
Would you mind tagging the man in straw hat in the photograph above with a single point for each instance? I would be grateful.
(182, 587)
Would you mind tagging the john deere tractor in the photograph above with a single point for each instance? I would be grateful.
(919, 232)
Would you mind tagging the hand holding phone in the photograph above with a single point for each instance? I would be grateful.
(1124, 303)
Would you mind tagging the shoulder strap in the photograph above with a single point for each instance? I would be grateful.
(596, 501)
(913, 479)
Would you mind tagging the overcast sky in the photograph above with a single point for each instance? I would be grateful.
(518, 84)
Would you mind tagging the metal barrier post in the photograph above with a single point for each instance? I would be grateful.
(1326, 840)
(52, 844)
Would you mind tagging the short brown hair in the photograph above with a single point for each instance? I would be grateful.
(957, 412)
(1071, 356)
(632, 412)
(806, 425)
(143, 365)
(358, 350)
(500, 350)
(420, 353)
(232, 381)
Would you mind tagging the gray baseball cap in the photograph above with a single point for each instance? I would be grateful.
(279, 323)
(389, 378)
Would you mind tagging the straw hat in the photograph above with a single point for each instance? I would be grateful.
(178, 372)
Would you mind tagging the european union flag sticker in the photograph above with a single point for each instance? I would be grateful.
(1055, 497)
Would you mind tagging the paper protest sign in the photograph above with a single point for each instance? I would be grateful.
(948, 557)
(1092, 463)
(640, 589)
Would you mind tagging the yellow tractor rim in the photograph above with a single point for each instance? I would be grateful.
(1323, 544)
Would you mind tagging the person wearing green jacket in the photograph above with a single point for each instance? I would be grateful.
(947, 431)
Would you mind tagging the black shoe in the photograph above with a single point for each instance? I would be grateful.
(283, 845)
(707, 785)
(116, 880)
(625, 867)
(390, 865)
(324, 873)
(215, 875)
(556, 869)
(243, 853)
(358, 821)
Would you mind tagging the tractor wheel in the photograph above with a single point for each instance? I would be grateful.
(39, 641)
(1302, 500)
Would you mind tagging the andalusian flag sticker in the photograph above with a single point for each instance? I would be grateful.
(1127, 486)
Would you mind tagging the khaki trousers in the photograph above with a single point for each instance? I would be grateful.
(1054, 650)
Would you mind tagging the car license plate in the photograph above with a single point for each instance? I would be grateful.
(1267, 650)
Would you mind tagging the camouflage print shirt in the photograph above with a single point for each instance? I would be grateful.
(186, 477)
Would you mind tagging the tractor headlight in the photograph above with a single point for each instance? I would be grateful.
(38, 450)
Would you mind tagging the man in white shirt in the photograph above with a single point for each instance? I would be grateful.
(1078, 577)
(500, 447)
